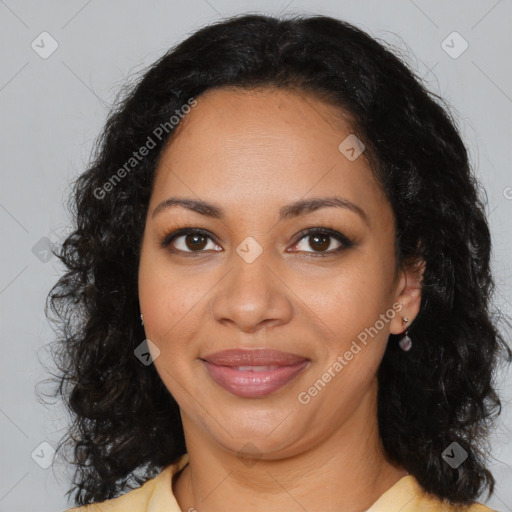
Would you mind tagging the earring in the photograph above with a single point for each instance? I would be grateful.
(141, 319)
(405, 343)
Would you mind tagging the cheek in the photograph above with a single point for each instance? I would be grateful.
(167, 303)
(167, 298)
(353, 298)
(351, 305)
(168, 310)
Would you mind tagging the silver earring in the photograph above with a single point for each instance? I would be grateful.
(405, 343)
(141, 319)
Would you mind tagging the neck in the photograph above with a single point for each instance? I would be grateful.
(347, 470)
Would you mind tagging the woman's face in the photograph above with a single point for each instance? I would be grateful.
(251, 279)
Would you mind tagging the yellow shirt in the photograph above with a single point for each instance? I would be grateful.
(156, 495)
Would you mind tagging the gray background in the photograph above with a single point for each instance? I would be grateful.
(52, 109)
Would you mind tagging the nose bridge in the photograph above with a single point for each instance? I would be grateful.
(252, 272)
(251, 294)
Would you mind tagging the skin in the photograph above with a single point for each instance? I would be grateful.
(250, 153)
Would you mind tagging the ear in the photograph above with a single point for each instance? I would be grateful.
(408, 296)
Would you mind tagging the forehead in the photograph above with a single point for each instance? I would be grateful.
(275, 145)
(245, 118)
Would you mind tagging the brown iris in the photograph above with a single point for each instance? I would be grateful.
(320, 245)
(195, 241)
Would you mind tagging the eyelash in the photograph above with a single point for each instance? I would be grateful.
(345, 242)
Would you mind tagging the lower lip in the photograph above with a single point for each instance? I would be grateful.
(250, 384)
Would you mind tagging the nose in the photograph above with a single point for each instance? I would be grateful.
(252, 296)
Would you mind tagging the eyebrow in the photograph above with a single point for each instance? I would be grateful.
(295, 209)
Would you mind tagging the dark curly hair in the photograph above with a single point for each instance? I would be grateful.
(126, 425)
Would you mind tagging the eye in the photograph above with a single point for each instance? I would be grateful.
(320, 240)
(188, 240)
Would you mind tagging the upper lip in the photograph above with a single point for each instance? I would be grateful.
(253, 357)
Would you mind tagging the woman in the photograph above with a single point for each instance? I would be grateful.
(278, 288)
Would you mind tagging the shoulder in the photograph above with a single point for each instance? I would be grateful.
(136, 499)
(408, 496)
(155, 493)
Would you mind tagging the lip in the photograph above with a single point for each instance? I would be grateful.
(224, 368)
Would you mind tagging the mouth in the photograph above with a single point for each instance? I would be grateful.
(254, 373)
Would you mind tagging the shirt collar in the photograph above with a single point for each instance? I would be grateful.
(162, 499)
